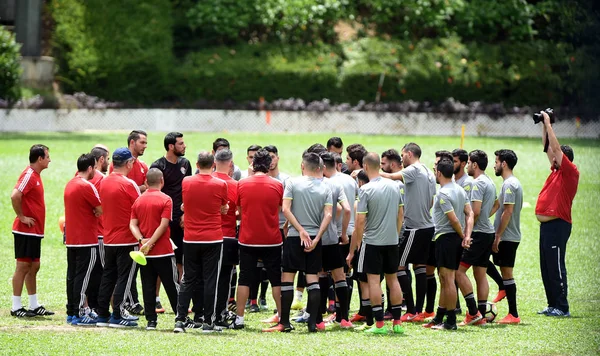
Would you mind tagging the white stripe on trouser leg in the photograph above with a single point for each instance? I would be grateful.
(128, 285)
(86, 279)
(558, 263)
(409, 242)
(101, 251)
(175, 273)
(361, 257)
(213, 317)
(127, 296)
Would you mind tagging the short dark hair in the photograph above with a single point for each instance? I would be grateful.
(271, 149)
(37, 151)
(135, 135)
(311, 161)
(462, 155)
(98, 152)
(223, 155)
(443, 154)
(357, 153)
(568, 151)
(337, 157)
(479, 157)
(362, 176)
(261, 161)
(220, 142)
(253, 148)
(414, 148)
(171, 139)
(317, 148)
(328, 160)
(446, 167)
(335, 142)
(355, 146)
(85, 161)
(508, 156)
(392, 155)
(205, 160)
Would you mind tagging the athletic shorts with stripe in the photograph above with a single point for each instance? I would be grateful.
(378, 259)
(415, 246)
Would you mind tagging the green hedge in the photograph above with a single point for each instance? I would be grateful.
(10, 68)
(116, 49)
(534, 73)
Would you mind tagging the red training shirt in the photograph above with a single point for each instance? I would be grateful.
(229, 221)
(81, 197)
(32, 203)
(556, 197)
(118, 193)
(149, 210)
(203, 196)
(260, 197)
(137, 173)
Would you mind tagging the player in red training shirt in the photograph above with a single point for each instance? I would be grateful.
(28, 230)
(150, 217)
(204, 201)
(84, 271)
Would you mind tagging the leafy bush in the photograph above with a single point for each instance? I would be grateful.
(10, 68)
(116, 49)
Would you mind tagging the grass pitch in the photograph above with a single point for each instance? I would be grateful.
(579, 334)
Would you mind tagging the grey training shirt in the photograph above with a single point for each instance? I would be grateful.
(380, 199)
(331, 236)
(309, 196)
(282, 177)
(351, 190)
(420, 190)
(466, 182)
(511, 193)
(451, 197)
(483, 190)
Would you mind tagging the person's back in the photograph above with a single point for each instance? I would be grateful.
(382, 198)
(451, 197)
(80, 198)
(203, 196)
(310, 195)
(229, 220)
(149, 209)
(351, 191)
(511, 193)
(483, 189)
(259, 197)
(420, 189)
(117, 194)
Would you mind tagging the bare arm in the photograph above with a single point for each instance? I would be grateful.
(287, 212)
(495, 208)
(16, 198)
(554, 151)
(400, 220)
(476, 206)
(504, 220)
(359, 229)
(327, 216)
(345, 221)
(135, 229)
(98, 210)
(470, 220)
(455, 223)
(393, 176)
(544, 135)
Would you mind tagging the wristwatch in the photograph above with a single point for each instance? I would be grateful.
(140, 240)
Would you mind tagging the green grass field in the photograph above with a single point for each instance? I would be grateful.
(579, 334)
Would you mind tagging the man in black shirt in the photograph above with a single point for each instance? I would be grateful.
(174, 168)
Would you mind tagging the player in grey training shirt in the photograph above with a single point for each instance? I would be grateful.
(460, 158)
(414, 248)
(379, 220)
(508, 229)
(307, 205)
(453, 220)
(333, 257)
(484, 204)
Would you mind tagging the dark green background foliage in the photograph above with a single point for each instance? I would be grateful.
(514, 51)
(10, 70)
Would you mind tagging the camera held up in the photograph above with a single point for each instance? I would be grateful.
(538, 117)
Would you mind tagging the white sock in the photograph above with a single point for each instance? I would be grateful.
(33, 302)
(239, 320)
(157, 299)
(299, 295)
(16, 303)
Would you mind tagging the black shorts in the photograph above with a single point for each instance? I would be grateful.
(295, 259)
(345, 250)
(356, 274)
(478, 254)
(378, 259)
(333, 258)
(415, 246)
(448, 250)
(230, 252)
(431, 260)
(27, 247)
(271, 258)
(507, 253)
(177, 237)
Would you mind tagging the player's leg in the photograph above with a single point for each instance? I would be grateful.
(169, 275)
(448, 290)
(271, 257)
(71, 297)
(189, 283)
(85, 262)
(505, 258)
(342, 293)
(483, 287)
(149, 276)
(391, 258)
(93, 289)
(212, 258)
(126, 268)
(405, 250)
(313, 265)
(492, 271)
(107, 284)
